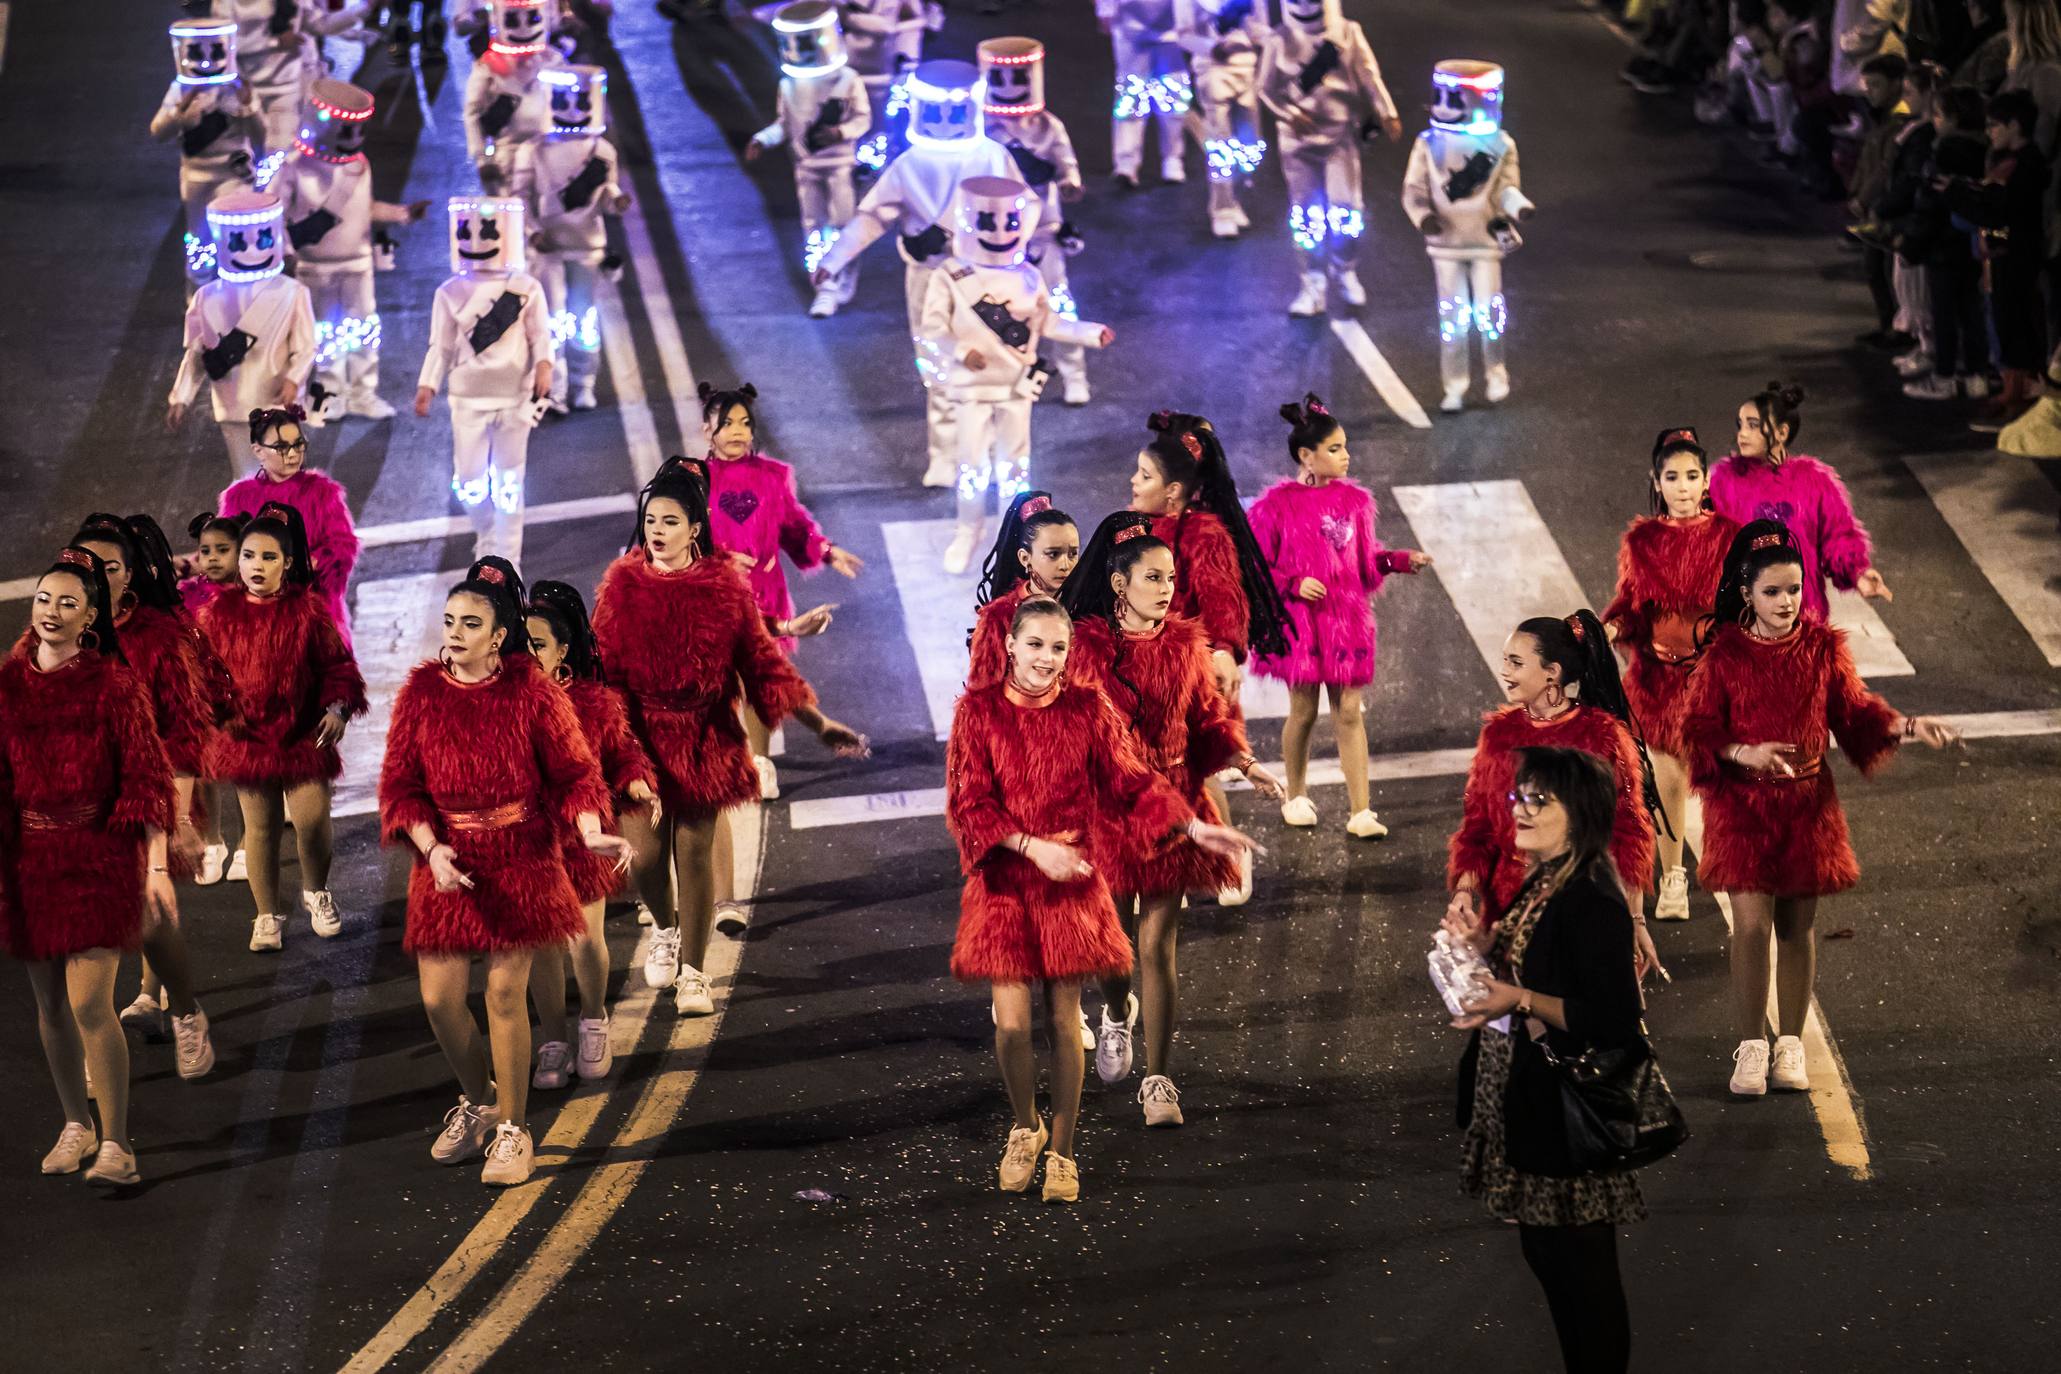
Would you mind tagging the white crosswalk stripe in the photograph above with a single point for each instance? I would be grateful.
(2002, 510)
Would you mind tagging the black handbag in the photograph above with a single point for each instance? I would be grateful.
(1615, 1107)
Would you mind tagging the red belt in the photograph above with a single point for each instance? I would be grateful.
(1799, 770)
(494, 818)
(69, 818)
(674, 701)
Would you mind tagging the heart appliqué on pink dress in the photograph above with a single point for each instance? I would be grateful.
(738, 505)
(1338, 533)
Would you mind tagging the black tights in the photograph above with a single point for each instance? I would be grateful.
(1577, 1266)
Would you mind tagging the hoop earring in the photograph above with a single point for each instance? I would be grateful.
(562, 673)
(1555, 695)
(1746, 615)
(88, 640)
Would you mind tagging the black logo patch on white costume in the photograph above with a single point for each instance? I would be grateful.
(492, 325)
(1470, 176)
(1010, 330)
(581, 188)
(1322, 63)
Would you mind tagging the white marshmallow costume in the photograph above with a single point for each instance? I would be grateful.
(1319, 77)
(269, 55)
(210, 111)
(1224, 39)
(914, 196)
(987, 303)
(883, 41)
(327, 190)
(1462, 192)
(1152, 84)
(571, 180)
(506, 102)
(822, 114)
(488, 331)
(250, 332)
(1014, 70)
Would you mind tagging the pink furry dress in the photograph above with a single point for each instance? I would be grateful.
(754, 511)
(1324, 532)
(325, 510)
(1808, 497)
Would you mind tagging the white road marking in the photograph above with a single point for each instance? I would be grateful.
(2002, 508)
(1379, 374)
(392, 630)
(937, 610)
(627, 380)
(665, 324)
(1873, 647)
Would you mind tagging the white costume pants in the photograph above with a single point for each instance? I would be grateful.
(937, 416)
(1070, 360)
(1325, 206)
(994, 455)
(236, 442)
(1229, 106)
(490, 446)
(1913, 303)
(1470, 301)
(279, 108)
(196, 189)
(346, 330)
(827, 203)
(1151, 85)
(569, 294)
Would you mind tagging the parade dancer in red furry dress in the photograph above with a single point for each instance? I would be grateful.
(1035, 549)
(1183, 481)
(682, 638)
(1774, 689)
(1316, 531)
(1561, 681)
(296, 688)
(1154, 667)
(563, 643)
(85, 803)
(1034, 761)
(486, 771)
(1668, 568)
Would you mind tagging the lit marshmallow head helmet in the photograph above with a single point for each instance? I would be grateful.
(579, 100)
(1014, 70)
(249, 229)
(811, 39)
(1312, 18)
(944, 105)
(1467, 96)
(519, 28)
(996, 217)
(334, 115)
(486, 236)
(204, 51)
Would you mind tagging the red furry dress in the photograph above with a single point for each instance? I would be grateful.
(1048, 770)
(82, 777)
(1207, 584)
(499, 770)
(605, 725)
(1780, 835)
(1668, 572)
(989, 656)
(683, 647)
(289, 664)
(1485, 845)
(1162, 687)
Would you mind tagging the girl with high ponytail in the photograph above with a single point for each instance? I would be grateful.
(1035, 550)
(1316, 533)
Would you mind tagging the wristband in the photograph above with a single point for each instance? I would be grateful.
(1245, 763)
(1910, 727)
(159, 868)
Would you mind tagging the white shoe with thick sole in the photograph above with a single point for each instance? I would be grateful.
(1240, 892)
(1113, 1043)
(1496, 385)
(322, 917)
(1916, 363)
(1673, 902)
(1932, 388)
(691, 995)
(146, 1016)
(959, 553)
(76, 1144)
(466, 1128)
(1750, 1069)
(1299, 811)
(1077, 392)
(825, 304)
(1454, 401)
(237, 872)
(1309, 299)
(583, 396)
(553, 1056)
(194, 1048)
(1365, 825)
(1172, 170)
(1162, 1101)
(1349, 289)
(266, 933)
(1787, 1072)
(597, 1052)
(214, 861)
(769, 777)
(732, 918)
(510, 1157)
(1224, 224)
(662, 960)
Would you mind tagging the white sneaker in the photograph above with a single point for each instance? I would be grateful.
(1172, 169)
(329, 412)
(1224, 224)
(1788, 1072)
(959, 552)
(1077, 392)
(644, 916)
(1113, 1045)
(76, 1144)
(1496, 386)
(583, 396)
(1309, 300)
(1932, 387)
(942, 473)
(194, 1048)
(264, 933)
(690, 993)
(825, 304)
(1240, 892)
(1087, 1035)
(510, 1158)
(113, 1167)
(214, 859)
(1915, 363)
(465, 1132)
(146, 1016)
(1975, 387)
(597, 1054)
(1750, 1074)
(732, 918)
(1365, 825)
(322, 917)
(1673, 901)
(552, 1058)
(237, 872)
(1162, 1101)
(1349, 288)
(1454, 401)
(372, 407)
(662, 960)
(769, 777)
(1300, 811)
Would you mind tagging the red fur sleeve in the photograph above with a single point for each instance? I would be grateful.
(771, 684)
(1707, 711)
(1864, 724)
(1216, 733)
(1150, 807)
(990, 653)
(143, 799)
(622, 756)
(1631, 840)
(1625, 610)
(337, 679)
(1472, 852)
(572, 776)
(404, 800)
(1209, 563)
(973, 797)
(174, 688)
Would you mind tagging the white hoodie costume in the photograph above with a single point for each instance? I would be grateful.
(823, 112)
(210, 111)
(1224, 39)
(506, 102)
(1152, 83)
(269, 55)
(570, 180)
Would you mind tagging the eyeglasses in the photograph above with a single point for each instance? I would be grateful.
(1530, 803)
(287, 446)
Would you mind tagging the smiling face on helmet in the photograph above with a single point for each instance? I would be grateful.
(334, 117)
(1014, 70)
(486, 235)
(995, 219)
(204, 51)
(249, 229)
(519, 27)
(579, 99)
(944, 105)
(811, 39)
(1315, 18)
(1467, 96)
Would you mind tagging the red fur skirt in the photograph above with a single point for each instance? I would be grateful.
(1784, 838)
(80, 888)
(1178, 866)
(520, 897)
(593, 876)
(1657, 692)
(1017, 926)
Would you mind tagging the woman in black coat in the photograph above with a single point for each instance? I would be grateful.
(1561, 960)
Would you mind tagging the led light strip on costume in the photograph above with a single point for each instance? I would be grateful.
(200, 256)
(582, 331)
(470, 492)
(819, 243)
(1062, 302)
(266, 169)
(1233, 157)
(1138, 96)
(222, 30)
(326, 112)
(227, 271)
(1490, 82)
(348, 335)
(974, 96)
(1028, 107)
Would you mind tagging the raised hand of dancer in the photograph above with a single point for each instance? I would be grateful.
(1929, 730)
(330, 729)
(610, 846)
(1266, 784)
(843, 741)
(443, 866)
(1055, 858)
(844, 561)
(1419, 561)
(640, 792)
(1870, 584)
(810, 622)
(1310, 590)
(1764, 758)
(1223, 840)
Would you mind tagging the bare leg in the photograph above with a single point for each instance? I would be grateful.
(165, 954)
(1672, 778)
(89, 982)
(1116, 989)
(1796, 960)
(547, 991)
(755, 731)
(1217, 794)
(264, 816)
(1349, 723)
(307, 804)
(1159, 931)
(508, 1029)
(1069, 1064)
(693, 854)
(446, 979)
(590, 962)
(63, 1051)
(1013, 1052)
(723, 862)
(1753, 921)
(650, 869)
(1295, 737)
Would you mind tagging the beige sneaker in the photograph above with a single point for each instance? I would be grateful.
(1162, 1101)
(76, 1144)
(1062, 1179)
(1365, 825)
(1299, 811)
(466, 1128)
(1020, 1159)
(1673, 902)
(113, 1167)
(1787, 1072)
(510, 1159)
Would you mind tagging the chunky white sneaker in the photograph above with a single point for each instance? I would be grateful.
(372, 407)
(1113, 1045)
(1162, 1101)
(552, 1058)
(1750, 1071)
(1788, 1072)
(214, 858)
(1062, 1179)
(1299, 811)
(1915, 363)
(322, 917)
(959, 552)
(146, 1016)
(690, 993)
(1673, 902)
(1454, 401)
(1496, 385)
(76, 1144)
(1240, 892)
(194, 1048)
(769, 777)
(825, 304)
(510, 1159)
(1171, 169)
(465, 1132)
(1932, 387)
(1087, 1035)
(944, 472)
(597, 1054)
(1349, 289)
(264, 933)
(662, 960)
(1077, 392)
(732, 918)
(583, 396)
(1365, 825)
(1309, 300)
(1020, 1157)
(1224, 224)
(113, 1167)
(237, 872)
